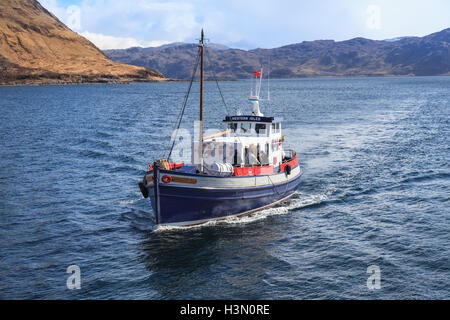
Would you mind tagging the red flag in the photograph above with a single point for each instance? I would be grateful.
(257, 73)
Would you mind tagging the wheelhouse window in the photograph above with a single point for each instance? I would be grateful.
(232, 126)
(246, 127)
(276, 127)
(260, 128)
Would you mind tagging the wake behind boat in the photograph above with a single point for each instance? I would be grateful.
(232, 173)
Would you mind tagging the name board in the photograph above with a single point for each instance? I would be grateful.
(248, 118)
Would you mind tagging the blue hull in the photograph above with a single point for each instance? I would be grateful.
(190, 205)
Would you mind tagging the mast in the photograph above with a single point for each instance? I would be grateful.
(268, 82)
(200, 147)
(260, 81)
(254, 96)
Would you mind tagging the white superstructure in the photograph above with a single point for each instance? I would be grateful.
(248, 140)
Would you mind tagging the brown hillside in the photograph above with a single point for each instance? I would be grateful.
(36, 47)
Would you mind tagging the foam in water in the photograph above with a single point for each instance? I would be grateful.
(282, 209)
(124, 202)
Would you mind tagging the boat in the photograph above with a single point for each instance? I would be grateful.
(233, 173)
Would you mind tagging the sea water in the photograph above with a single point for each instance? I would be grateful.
(374, 194)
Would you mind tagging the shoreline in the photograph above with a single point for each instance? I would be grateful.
(79, 83)
(75, 83)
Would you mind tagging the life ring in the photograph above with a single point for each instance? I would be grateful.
(287, 168)
(166, 179)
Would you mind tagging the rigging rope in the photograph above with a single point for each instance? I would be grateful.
(183, 108)
(217, 82)
(220, 91)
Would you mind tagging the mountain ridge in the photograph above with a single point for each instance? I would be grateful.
(407, 56)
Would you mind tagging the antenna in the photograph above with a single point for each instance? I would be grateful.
(260, 79)
(254, 96)
(201, 45)
(268, 81)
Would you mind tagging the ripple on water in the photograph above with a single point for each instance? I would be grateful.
(374, 192)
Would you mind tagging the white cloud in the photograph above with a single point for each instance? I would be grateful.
(105, 42)
(147, 20)
(248, 24)
(71, 15)
(117, 25)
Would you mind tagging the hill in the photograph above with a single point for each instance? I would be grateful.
(35, 47)
(417, 56)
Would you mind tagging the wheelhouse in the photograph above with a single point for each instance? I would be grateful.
(248, 142)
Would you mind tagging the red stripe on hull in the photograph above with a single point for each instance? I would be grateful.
(252, 171)
(255, 171)
(292, 163)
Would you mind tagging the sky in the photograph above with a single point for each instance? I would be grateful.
(247, 24)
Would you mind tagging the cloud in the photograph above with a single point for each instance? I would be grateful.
(105, 42)
(247, 24)
(118, 25)
(144, 20)
(71, 15)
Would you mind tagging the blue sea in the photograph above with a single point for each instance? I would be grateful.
(374, 194)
